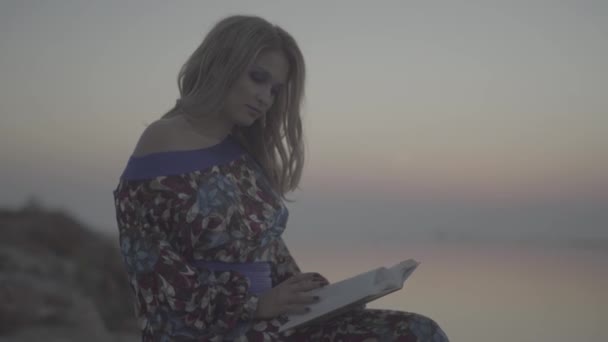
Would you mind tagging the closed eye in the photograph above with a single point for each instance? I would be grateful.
(258, 77)
(261, 77)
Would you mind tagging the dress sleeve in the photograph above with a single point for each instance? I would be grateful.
(285, 265)
(164, 283)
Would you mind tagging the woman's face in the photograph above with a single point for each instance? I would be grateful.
(256, 89)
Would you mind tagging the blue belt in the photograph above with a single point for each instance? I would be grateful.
(258, 273)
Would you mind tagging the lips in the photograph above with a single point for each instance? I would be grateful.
(254, 109)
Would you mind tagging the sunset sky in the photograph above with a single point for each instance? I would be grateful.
(461, 133)
(488, 116)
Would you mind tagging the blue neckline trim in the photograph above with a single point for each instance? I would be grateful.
(180, 162)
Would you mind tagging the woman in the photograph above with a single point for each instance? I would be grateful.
(200, 204)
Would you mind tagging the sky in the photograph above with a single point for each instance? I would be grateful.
(434, 129)
(422, 118)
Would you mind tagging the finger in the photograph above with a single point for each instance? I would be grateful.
(308, 275)
(307, 285)
(300, 277)
(297, 309)
(304, 299)
(316, 275)
(321, 278)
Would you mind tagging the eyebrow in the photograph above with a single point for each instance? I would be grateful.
(279, 84)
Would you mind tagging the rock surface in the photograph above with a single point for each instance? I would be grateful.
(60, 281)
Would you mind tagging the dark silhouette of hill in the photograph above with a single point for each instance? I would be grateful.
(60, 280)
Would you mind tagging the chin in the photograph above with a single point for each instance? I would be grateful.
(245, 122)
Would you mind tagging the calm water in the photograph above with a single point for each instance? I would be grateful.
(491, 292)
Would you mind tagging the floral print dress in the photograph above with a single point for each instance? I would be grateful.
(176, 209)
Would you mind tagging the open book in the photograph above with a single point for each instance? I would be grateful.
(351, 293)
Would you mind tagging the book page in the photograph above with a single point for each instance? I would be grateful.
(336, 295)
(384, 280)
(345, 295)
(402, 271)
(393, 279)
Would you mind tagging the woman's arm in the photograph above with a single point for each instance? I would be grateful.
(163, 282)
(285, 266)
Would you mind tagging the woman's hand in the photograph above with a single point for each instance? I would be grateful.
(289, 297)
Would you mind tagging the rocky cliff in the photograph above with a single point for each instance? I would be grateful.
(60, 281)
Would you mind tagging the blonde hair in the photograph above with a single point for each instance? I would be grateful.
(205, 79)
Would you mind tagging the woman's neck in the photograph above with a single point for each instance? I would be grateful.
(208, 126)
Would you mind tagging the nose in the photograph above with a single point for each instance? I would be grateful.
(265, 98)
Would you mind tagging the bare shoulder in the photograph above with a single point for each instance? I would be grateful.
(171, 134)
(157, 137)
